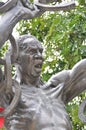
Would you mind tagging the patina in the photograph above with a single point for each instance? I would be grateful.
(29, 102)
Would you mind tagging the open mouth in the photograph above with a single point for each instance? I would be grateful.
(38, 65)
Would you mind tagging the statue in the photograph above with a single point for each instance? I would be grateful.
(29, 103)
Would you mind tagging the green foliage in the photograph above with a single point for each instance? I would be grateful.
(63, 35)
(3, 50)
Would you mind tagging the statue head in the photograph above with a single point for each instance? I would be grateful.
(30, 58)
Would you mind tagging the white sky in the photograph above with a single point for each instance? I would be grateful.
(3, 0)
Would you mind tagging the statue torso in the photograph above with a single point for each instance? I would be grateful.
(36, 110)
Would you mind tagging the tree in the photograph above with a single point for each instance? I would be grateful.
(63, 35)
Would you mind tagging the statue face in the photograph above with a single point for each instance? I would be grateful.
(32, 58)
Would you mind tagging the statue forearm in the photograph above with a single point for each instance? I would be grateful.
(7, 23)
(12, 17)
(77, 82)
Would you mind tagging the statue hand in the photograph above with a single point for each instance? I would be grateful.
(29, 10)
(14, 12)
(27, 4)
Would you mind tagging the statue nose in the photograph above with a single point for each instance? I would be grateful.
(38, 55)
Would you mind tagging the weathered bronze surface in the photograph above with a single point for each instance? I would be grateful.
(31, 104)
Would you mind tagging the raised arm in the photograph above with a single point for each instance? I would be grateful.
(15, 10)
(11, 17)
(74, 81)
(77, 82)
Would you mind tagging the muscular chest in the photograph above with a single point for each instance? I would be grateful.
(43, 112)
(37, 111)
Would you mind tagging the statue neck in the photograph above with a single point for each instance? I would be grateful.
(22, 78)
(30, 80)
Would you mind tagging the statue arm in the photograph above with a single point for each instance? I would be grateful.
(15, 10)
(11, 17)
(74, 81)
(77, 82)
(58, 78)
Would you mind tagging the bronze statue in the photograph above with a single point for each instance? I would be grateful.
(31, 104)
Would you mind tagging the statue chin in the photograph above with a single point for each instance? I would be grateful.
(35, 74)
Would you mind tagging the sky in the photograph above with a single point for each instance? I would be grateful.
(4, 0)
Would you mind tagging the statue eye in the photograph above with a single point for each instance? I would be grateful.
(33, 51)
